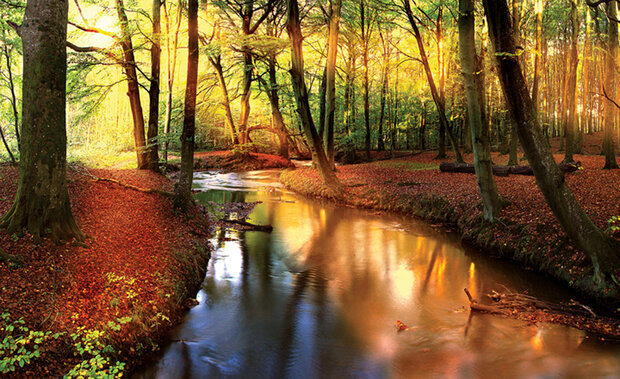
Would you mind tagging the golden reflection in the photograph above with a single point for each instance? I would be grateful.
(537, 341)
(472, 279)
(403, 282)
(323, 217)
(440, 275)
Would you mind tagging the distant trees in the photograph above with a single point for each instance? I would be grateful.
(42, 201)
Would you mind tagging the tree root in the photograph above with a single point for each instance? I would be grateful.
(15, 260)
(528, 308)
(118, 182)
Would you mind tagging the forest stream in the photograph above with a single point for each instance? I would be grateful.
(321, 295)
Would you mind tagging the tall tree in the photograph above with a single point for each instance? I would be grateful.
(474, 90)
(133, 87)
(42, 201)
(439, 103)
(330, 70)
(153, 129)
(366, 29)
(293, 27)
(252, 14)
(610, 87)
(602, 250)
(171, 64)
(571, 85)
(183, 190)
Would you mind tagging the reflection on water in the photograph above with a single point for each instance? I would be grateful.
(320, 296)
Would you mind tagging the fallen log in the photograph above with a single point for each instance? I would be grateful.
(468, 168)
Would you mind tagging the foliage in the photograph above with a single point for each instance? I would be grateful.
(89, 344)
(20, 345)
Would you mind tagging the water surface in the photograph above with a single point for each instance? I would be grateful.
(320, 297)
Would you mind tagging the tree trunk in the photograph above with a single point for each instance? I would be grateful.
(474, 90)
(42, 201)
(443, 127)
(610, 88)
(293, 27)
(153, 129)
(576, 224)
(441, 107)
(133, 89)
(216, 62)
(330, 103)
(183, 190)
(7, 54)
(365, 43)
(172, 63)
(276, 114)
(384, 89)
(571, 95)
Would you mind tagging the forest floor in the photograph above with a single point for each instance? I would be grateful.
(235, 161)
(81, 308)
(526, 231)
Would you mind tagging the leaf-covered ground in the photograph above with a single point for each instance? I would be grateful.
(526, 231)
(128, 281)
(238, 161)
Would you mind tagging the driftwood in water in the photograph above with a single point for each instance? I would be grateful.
(259, 228)
(503, 170)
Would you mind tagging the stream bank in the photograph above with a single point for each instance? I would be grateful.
(96, 308)
(526, 231)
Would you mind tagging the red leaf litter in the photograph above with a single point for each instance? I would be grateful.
(134, 264)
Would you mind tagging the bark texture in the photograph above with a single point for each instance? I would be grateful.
(42, 201)
(183, 190)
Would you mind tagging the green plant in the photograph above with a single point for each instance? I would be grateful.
(614, 225)
(89, 344)
(20, 345)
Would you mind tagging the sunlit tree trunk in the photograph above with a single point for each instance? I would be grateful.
(293, 27)
(538, 10)
(443, 127)
(41, 204)
(603, 250)
(365, 25)
(183, 193)
(571, 95)
(441, 107)
(587, 58)
(153, 128)
(276, 114)
(216, 62)
(610, 88)
(172, 63)
(133, 89)
(330, 90)
(514, 138)
(474, 90)
(384, 90)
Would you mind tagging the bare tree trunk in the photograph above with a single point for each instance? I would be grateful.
(384, 90)
(293, 27)
(365, 42)
(153, 129)
(42, 201)
(441, 107)
(474, 90)
(183, 193)
(602, 250)
(216, 62)
(7, 54)
(571, 95)
(172, 63)
(133, 89)
(443, 127)
(332, 50)
(610, 88)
